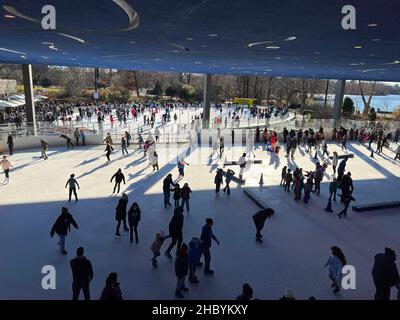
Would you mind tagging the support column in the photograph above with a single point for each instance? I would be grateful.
(337, 106)
(207, 100)
(28, 90)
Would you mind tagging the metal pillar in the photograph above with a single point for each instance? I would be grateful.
(337, 106)
(206, 100)
(28, 90)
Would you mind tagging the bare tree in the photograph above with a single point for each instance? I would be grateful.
(367, 103)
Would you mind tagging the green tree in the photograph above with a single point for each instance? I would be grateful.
(45, 82)
(171, 91)
(348, 106)
(157, 90)
(372, 114)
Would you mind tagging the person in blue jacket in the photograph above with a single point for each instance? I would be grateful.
(207, 235)
(195, 252)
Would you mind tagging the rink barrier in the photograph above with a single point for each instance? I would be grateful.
(376, 206)
(255, 197)
(235, 163)
(33, 142)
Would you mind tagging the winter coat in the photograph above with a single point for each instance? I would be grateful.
(384, 271)
(218, 179)
(182, 265)
(206, 235)
(176, 225)
(82, 271)
(156, 245)
(335, 267)
(120, 210)
(333, 187)
(177, 193)
(63, 224)
(259, 219)
(111, 293)
(186, 191)
(119, 177)
(228, 176)
(195, 251)
(134, 216)
(167, 182)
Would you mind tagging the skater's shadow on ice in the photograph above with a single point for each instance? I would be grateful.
(94, 170)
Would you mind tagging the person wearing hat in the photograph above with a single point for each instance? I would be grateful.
(62, 226)
(259, 221)
(120, 214)
(385, 274)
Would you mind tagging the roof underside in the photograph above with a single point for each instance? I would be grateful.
(302, 38)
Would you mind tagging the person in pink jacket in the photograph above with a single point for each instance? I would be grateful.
(6, 165)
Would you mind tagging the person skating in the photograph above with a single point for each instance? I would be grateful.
(181, 270)
(341, 169)
(325, 149)
(124, 146)
(346, 185)
(6, 166)
(167, 182)
(175, 231)
(68, 140)
(218, 180)
(319, 174)
(397, 157)
(333, 186)
(283, 175)
(83, 137)
(108, 151)
(242, 165)
(156, 247)
(72, 183)
(186, 191)
(119, 177)
(335, 160)
(134, 216)
(153, 160)
(157, 134)
(307, 190)
(335, 264)
(181, 167)
(207, 236)
(82, 275)
(10, 143)
(120, 214)
(195, 252)
(288, 180)
(385, 274)
(43, 149)
(247, 293)
(228, 178)
(346, 199)
(259, 221)
(177, 194)
(77, 135)
(112, 290)
(108, 139)
(62, 226)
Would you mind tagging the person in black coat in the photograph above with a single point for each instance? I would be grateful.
(120, 214)
(62, 226)
(167, 182)
(134, 215)
(112, 290)
(181, 270)
(82, 274)
(218, 180)
(346, 185)
(259, 221)
(119, 177)
(385, 274)
(247, 292)
(10, 142)
(175, 231)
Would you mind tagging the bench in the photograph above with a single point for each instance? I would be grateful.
(235, 163)
(376, 206)
(343, 156)
(234, 178)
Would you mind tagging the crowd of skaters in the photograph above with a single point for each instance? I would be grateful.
(187, 257)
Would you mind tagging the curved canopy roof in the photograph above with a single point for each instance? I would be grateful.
(301, 38)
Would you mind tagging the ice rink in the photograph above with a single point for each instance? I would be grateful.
(296, 245)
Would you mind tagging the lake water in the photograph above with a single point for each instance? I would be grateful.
(385, 103)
